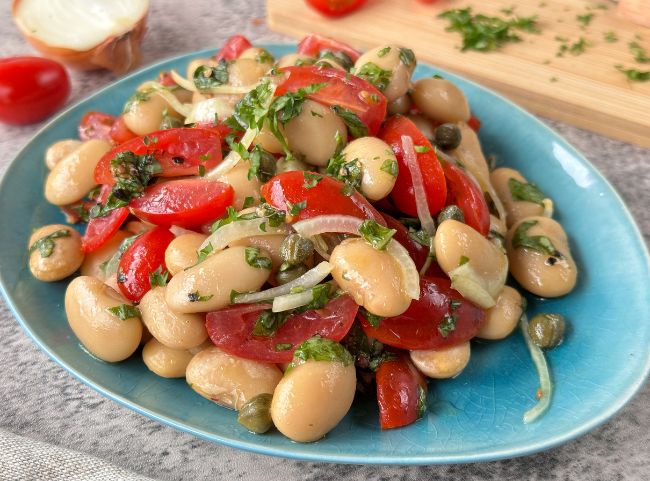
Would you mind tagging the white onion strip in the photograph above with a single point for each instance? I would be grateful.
(291, 301)
(346, 224)
(546, 386)
(240, 229)
(465, 280)
(308, 280)
(221, 89)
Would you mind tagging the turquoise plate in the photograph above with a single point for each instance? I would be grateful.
(475, 417)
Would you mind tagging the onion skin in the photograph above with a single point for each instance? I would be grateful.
(118, 53)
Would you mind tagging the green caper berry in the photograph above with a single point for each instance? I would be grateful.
(255, 415)
(169, 122)
(267, 167)
(283, 276)
(547, 330)
(451, 212)
(295, 250)
(447, 136)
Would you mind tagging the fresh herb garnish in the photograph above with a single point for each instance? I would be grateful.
(374, 74)
(634, 74)
(368, 352)
(311, 179)
(341, 58)
(525, 191)
(268, 323)
(610, 36)
(539, 243)
(254, 259)
(264, 57)
(125, 311)
(421, 149)
(197, 297)
(376, 235)
(206, 77)
(349, 173)
(295, 209)
(390, 167)
(45, 245)
(407, 56)
(576, 48)
(248, 202)
(640, 55)
(321, 349)
(250, 111)
(159, 277)
(110, 266)
(202, 254)
(373, 319)
(447, 325)
(422, 401)
(383, 52)
(463, 260)
(138, 96)
(585, 19)
(283, 346)
(355, 126)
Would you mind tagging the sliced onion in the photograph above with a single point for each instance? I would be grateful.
(546, 386)
(292, 301)
(240, 230)
(470, 285)
(174, 103)
(86, 34)
(421, 203)
(548, 207)
(347, 224)
(221, 89)
(308, 280)
(204, 111)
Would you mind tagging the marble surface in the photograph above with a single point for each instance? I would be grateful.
(41, 401)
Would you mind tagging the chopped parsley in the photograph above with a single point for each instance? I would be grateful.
(248, 202)
(373, 319)
(633, 74)
(341, 58)
(585, 19)
(206, 77)
(349, 173)
(640, 55)
(407, 56)
(421, 149)
(202, 254)
(125, 311)
(374, 74)
(268, 322)
(356, 127)
(264, 57)
(283, 346)
(250, 111)
(376, 235)
(463, 260)
(45, 245)
(311, 179)
(383, 52)
(197, 297)
(447, 325)
(295, 209)
(159, 277)
(138, 96)
(576, 48)
(539, 243)
(422, 401)
(525, 191)
(610, 36)
(321, 349)
(390, 167)
(254, 259)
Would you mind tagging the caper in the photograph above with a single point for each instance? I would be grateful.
(267, 168)
(447, 136)
(284, 276)
(289, 165)
(255, 415)
(547, 330)
(339, 57)
(295, 250)
(169, 122)
(451, 212)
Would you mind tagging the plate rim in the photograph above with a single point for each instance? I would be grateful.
(526, 448)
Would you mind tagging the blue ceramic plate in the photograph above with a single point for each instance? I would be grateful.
(475, 417)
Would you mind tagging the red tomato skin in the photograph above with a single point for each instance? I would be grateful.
(96, 125)
(100, 229)
(466, 194)
(326, 198)
(31, 89)
(432, 173)
(417, 328)
(313, 44)
(474, 123)
(343, 89)
(165, 79)
(231, 329)
(233, 48)
(144, 256)
(187, 203)
(398, 392)
(195, 145)
(119, 132)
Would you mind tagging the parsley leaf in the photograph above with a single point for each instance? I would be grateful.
(45, 245)
(125, 311)
(447, 325)
(349, 173)
(585, 19)
(294, 209)
(376, 235)
(206, 77)
(372, 319)
(539, 243)
(639, 52)
(268, 322)
(356, 127)
(254, 259)
(526, 192)
(197, 297)
(407, 56)
(422, 401)
(250, 111)
(311, 179)
(374, 74)
(634, 74)
(341, 58)
(110, 266)
(383, 52)
(390, 167)
(463, 260)
(283, 346)
(158, 277)
(264, 57)
(610, 36)
(138, 96)
(321, 349)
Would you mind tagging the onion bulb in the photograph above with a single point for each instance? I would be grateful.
(85, 34)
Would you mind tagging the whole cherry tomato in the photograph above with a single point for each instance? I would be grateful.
(187, 203)
(441, 317)
(313, 44)
(432, 173)
(466, 194)
(335, 8)
(324, 198)
(142, 258)
(233, 48)
(31, 89)
(231, 329)
(401, 392)
(347, 91)
(100, 229)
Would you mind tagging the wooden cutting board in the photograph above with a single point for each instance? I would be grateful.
(585, 90)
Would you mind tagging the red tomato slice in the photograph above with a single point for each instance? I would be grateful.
(466, 194)
(401, 392)
(474, 123)
(181, 151)
(432, 173)
(343, 89)
(187, 203)
(165, 79)
(233, 48)
(313, 43)
(231, 329)
(119, 132)
(144, 256)
(100, 229)
(418, 327)
(96, 125)
(325, 198)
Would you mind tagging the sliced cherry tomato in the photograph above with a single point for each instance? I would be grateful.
(96, 125)
(441, 317)
(143, 257)
(187, 203)
(31, 88)
(432, 173)
(474, 123)
(466, 194)
(401, 392)
(233, 48)
(231, 329)
(100, 229)
(119, 132)
(325, 198)
(313, 44)
(343, 89)
(181, 151)
(165, 79)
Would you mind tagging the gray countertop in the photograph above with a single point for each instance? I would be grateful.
(41, 401)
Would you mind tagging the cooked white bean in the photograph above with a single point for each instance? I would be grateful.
(229, 380)
(442, 363)
(145, 115)
(181, 253)
(59, 150)
(55, 252)
(260, 55)
(74, 175)
(207, 286)
(538, 272)
(165, 361)
(268, 141)
(93, 260)
(268, 243)
(246, 71)
(377, 162)
(440, 100)
(313, 133)
(502, 319)
(400, 105)
(103, 333)
(237, 177)
(389, 59)
(294, 59)
(515, 209)
(372, 277)
(173, 329)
